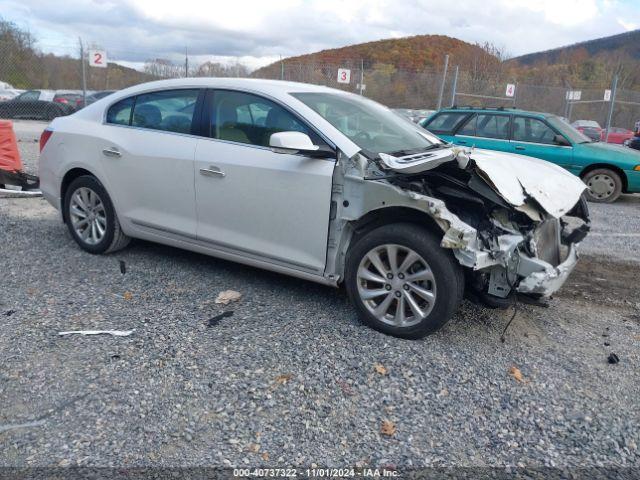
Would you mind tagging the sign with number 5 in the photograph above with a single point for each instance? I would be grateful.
(344, 75)
(98, 58)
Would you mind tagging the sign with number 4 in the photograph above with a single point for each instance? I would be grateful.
(98, 58)
(344, 75)
(511, 90)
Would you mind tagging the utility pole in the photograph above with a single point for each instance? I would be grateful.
(444, 79)
(186, 62)
(455, 86)
(361, 76)
(612, 101)
(84, 73)
(281, 68)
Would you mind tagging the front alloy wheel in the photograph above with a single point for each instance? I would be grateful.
(401, 281)
(396, 285)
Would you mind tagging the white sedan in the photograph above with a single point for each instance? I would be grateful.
(317, 183)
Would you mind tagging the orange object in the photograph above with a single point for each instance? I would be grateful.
(9, 155)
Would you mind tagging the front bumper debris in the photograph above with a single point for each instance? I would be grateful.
(545, 279)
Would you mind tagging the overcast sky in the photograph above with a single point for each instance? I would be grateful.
(259, 31)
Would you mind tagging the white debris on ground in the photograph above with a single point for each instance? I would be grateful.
(228, 296)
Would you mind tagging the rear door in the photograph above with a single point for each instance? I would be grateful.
(250, 200)
(535, 137)
(147, 156)
(485, 130)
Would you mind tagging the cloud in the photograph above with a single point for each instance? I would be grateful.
(260, 31)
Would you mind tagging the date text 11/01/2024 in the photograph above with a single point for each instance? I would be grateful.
(315, 472)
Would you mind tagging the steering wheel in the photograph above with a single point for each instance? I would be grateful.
(362, 136)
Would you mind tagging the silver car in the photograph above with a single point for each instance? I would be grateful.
(316, 183)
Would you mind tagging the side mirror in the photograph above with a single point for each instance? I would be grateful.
(297, 142)
(560, 140)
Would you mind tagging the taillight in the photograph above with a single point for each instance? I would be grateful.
(61, 100)
(44, 138)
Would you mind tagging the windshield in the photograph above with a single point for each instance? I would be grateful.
(566, 129)
(371, 126)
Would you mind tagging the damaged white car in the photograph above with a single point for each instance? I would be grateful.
(316, 183)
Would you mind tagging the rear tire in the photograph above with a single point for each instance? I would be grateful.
(605, 186)
(91, 218)
(402, 282)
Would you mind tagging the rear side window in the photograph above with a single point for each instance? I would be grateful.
(446, 122)
(169, 110)
(120, 113)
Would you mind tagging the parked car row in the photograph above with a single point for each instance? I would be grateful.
(44, 104)
(595, 132)
(608, 170)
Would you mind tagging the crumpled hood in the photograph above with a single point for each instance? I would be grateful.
(517, 177)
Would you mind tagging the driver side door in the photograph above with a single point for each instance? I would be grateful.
(534, 137)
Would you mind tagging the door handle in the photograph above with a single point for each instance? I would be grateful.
(519, 148)
(462, 142)
(111, 152)
(212, 172)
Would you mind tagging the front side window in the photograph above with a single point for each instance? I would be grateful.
(251, 119)
(446, 122)
(527, 129)
(168, 110)
(371, 126)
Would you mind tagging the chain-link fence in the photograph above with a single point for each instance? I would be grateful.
(38, 85)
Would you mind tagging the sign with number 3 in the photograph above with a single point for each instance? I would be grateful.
(98, 58)
(344, 75)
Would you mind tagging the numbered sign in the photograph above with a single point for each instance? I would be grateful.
(98, 58)
(344, 75)
(607, 95)
(511, 90)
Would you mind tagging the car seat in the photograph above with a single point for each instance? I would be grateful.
(147, 115)
(227, 124)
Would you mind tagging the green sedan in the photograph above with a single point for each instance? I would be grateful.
(608, 170)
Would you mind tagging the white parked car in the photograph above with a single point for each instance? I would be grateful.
(316, 183)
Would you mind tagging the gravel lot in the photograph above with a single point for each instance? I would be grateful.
(290, 379)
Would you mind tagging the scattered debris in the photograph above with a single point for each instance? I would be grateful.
(265, 456)
(606, 344)
(613, 358)
(516, 373)
(228, 296)
(388, 428)
(127, 295)
(123, 267)
(378, 367)
(37, 423)
(115, 333)
(254, 447)
(606, 332)
(284, 378)
(345, 387)
(8, 313)
(213, 321)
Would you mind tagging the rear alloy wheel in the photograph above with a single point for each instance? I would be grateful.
(91, 218)
(402, 282)
(605, 186)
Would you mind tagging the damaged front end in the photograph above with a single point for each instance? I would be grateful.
(512, 221)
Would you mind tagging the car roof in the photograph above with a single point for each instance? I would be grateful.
(255, 84)
(496, 110)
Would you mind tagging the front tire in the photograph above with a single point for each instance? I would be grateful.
(402, 282)
(91, 218)
(605, 186)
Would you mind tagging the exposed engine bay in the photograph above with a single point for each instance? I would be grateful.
(512, 221)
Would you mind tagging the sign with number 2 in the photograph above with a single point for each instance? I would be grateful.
(98, 58)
